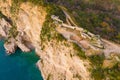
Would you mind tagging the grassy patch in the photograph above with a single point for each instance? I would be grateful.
(97, 72)
(79, 51)
(1, 15)
(13, 31)
(113, 73)
(48, 30)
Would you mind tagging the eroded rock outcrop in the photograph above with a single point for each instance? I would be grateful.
(62, 63)
(26, 27)
(4, 27)
(55, 61)
(58, 61)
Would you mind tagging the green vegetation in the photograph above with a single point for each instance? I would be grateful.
(1, 15)
(14, 11)
(79, 51)
(118, 36)
(48, 30)
(15, 7)
(97, 16)
(113, 73)
(36, 2)
(13, 31)
(99, 23)
(97, 72)
(16, 3)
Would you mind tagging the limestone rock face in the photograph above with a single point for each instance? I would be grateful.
(5, 7)
(4, 27)
(57, 61)
(10, 45)
(30, 20)
(28, 24)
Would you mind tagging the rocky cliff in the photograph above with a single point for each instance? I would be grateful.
(67, 51)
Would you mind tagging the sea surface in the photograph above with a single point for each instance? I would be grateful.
(18, 66)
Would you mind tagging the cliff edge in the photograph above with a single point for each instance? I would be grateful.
(67, 51)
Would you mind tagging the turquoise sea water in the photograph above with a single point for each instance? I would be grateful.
(19, 66)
